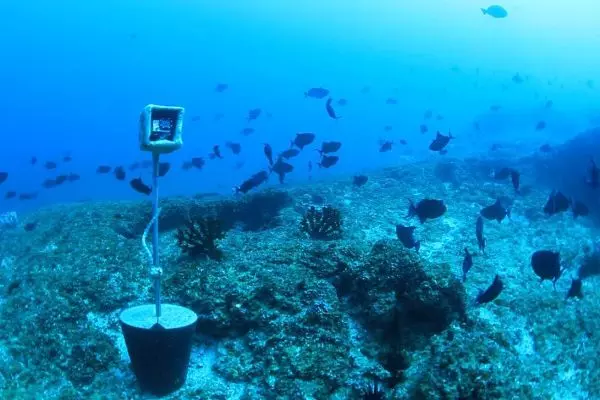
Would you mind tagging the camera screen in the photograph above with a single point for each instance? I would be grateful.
(162, 129)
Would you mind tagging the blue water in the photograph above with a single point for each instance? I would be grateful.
(75, 75)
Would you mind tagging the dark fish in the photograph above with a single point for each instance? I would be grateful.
(439, 117)
(218, 116)
(403, 142)
(3, 177)
(515, 178)
(303, 139)
(557, 202)
(146, 164)
(467, 263)
(428, 114)
(198, 162)
(517, 78)
(546, 265)
(440, 141)
(365, 90)
(120, 173)
(545, 148)
(30, 226)
(423, 128)
(247, 131)
(103, 169)
(196, 118)
(388, 128)
(593, 179)
(427, 209)
(49, 184)
(290, 153)
(10, 195)
(73, 177)
(548, 104)
(495, 212)
(481, 241)
(163, 168)
(495, 108)
(134, 166)
(253, 114)
(576, 289)
(253, 182)
(476, 126)
(28, 196)
(495, 11)
(342, 102)
(221, 87)
(406, 236)
(328, 161)
(50, 165)
(491, 293)
(281, 168)
(139, 186)
(195, 162)
(316, 93)
(235, 148)
(216, 153)
(67, 158)
(268, 152)
(330, 110)
(61, 179)
(540, 126)
(359, 180)
(391, 101)
(502, 174)
(330, 147)
(579, 209)
(385, 146)
(33, 160)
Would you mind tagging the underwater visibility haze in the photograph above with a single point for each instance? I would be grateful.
(373, 199)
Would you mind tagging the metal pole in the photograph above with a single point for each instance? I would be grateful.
(155, 259)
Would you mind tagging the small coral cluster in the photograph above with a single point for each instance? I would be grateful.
(322, 224)
(200, 238)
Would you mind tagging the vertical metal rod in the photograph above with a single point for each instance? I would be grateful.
(155, 166)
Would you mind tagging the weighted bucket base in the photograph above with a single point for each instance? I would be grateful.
(159, 350)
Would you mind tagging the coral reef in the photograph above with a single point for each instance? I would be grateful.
(322, 224)
(200, 238)
(284, 317)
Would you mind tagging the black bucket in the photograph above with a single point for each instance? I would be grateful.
(159, 352)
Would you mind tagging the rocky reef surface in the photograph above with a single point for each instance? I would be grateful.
(305, 292)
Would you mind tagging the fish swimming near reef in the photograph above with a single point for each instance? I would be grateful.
(440, 142)
(492, 292)
(253, 182)
(406, 236)
(427, 209)
(546, 265)
(557, 203)
(496, 211)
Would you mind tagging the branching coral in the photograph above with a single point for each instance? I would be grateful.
(200, 238)
(322, 224)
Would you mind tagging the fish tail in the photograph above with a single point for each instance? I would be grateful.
(484, 11)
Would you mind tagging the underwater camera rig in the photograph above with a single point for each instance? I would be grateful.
(158, 336)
